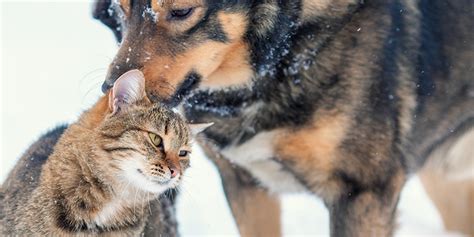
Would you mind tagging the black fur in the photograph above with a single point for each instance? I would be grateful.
(395, 69)
(184, 89)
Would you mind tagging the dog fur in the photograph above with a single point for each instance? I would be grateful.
(343, 99)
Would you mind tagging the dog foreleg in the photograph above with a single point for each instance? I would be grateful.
(256, 211)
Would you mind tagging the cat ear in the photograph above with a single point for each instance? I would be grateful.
(199, 127)
(127, 90)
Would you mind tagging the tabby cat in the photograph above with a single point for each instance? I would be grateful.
(104, 171)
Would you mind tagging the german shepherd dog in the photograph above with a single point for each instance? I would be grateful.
(340, 98)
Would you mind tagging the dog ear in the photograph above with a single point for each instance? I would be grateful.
(128, 89)
(104, 12)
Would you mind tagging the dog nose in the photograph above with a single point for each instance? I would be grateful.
(113, 75)
(107, 85)
(174, 172)
(123, 62)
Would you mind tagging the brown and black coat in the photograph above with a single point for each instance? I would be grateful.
(344, 99)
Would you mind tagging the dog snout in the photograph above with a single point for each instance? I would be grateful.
(116, 69)
(107, 85)
(129, 57)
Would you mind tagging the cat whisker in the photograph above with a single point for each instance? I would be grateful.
(134, 200)
(149, 202)
(95, 79)
(187, 176)
(102, 69)
(88, 92)
(184, 191)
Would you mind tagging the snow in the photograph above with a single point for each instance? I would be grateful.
(54, 59)
(149, 11)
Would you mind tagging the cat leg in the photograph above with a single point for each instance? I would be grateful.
(256, 211)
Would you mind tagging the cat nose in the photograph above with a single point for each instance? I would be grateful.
(174, 172)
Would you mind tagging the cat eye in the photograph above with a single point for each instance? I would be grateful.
(156, 140)
(183, 153)
(180, 14)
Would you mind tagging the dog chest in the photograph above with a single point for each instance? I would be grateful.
(257, 157)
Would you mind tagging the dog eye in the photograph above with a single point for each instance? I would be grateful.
(180, 14)
(183, 153)
(156, 140)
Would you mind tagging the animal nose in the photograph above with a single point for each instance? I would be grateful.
(125, 60)
(107, 85)
(114, 73)
(174, 172)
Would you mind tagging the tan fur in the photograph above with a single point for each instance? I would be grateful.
(267, 12)
(175, 4)
(314, 7)
(454, 199)
(169, 72)
(97, 113)
(227, 64)
(314, 149)
(261, 223)
(234, 24)
(234, 68)
(248, 205)
(161, 8)
(324, 8)
(125, 6)
(448, 179)
(85, 188)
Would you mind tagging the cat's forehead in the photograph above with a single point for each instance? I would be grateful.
(152, 118)
(169, 123)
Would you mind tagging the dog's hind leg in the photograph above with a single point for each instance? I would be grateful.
(256, 211)
(448, 178)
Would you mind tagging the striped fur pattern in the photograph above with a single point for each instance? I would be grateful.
(105, 174)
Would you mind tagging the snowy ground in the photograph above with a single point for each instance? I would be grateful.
(53, 60)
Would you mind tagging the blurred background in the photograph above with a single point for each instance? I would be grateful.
(54, 58)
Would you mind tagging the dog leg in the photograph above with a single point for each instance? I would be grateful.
(454, 199)
(366, 212)
(448, 178)
(256, 212)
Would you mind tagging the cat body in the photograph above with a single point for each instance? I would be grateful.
(105, 171)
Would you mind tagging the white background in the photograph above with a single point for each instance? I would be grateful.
(53, 61)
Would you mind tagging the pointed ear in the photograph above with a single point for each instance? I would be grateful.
(104, 12)
(199, 127)
(128, 89)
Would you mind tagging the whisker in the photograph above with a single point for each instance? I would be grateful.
(135, 200)
(92, 72)
(93, 87)
(149, 203)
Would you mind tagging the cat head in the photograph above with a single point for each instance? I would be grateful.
(148, 144)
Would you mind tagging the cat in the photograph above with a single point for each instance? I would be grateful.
(105, 169)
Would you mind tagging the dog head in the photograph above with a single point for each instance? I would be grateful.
(183, 45)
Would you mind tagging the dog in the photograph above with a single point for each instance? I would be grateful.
(344, 99)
